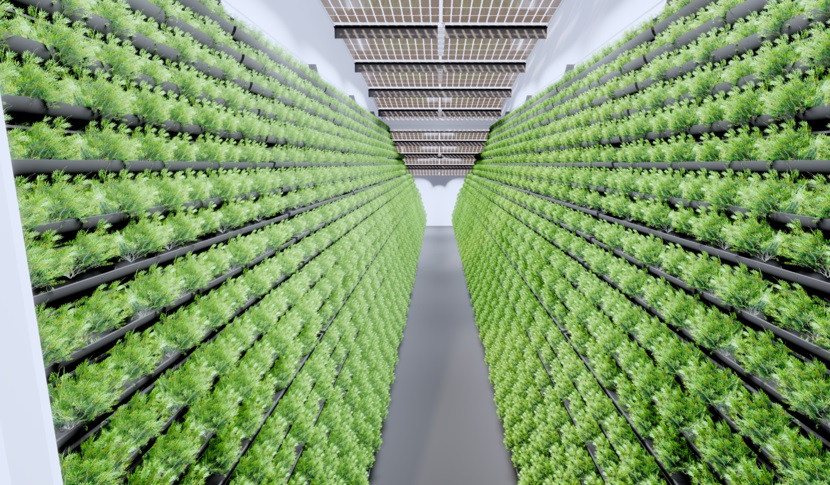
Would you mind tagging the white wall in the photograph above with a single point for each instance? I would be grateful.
(28, 449)
(306, 31)
(439, 200)
(578, 29)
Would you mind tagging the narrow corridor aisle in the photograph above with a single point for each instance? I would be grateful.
(442, 426)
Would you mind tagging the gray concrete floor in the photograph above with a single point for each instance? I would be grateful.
(442, 426)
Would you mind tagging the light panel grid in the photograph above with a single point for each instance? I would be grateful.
(439, 147)
(439, 80)
(374, 12)
(480, 80)
(473, 103)
(401, 50)
(418, 135)
(435, 103)
(449, 172)
(514, 50)
(407, 103)
(402, 79)
(414, 160)
(499, 11)
(455, 115)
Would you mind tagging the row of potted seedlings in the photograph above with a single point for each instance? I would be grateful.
(558, 425)
(612, 53)
(794, 304)
(707, 109)
(212, 16)
(757, 23)
(696, 414)
(331, 433)
(73, 330)
(53, 262)
(193, 103)
(182, 42)
(781, 238)
(190, 416)
(37, 147)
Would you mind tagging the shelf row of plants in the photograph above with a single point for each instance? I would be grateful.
(202, 314)
(781, 238)
(630, 40)
(663, 211)
(52, 140)
(215, 12)
(177, 43)
(176, 98)
(334, 439)
(62, 203)
(728, 31)
(793, 300)
(73, 331)
(686, 372)
(765, 195)
(53, 263)
(723, 287)
(221, 246)
(558, 427)
(778, 81)
(258, 361)
(655, 127)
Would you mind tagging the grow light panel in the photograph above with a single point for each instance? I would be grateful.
(502, 32)
(393, 49)
(471, 148)
(439, 80)
(447, 67)
(428, 50)
(406, 103)
(443, 103)
(513, 50)
(415, 160)
(457, 115)
(373, 12)
(428, 172)
(387, 32)
(474, 103)
(440, 93)
(480, 80)
(418, 135)
(499, 11)
(402, 79)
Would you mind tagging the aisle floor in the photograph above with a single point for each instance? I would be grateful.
(442, 426)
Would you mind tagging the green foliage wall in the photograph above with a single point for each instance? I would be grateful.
(221, 245)
(646, 248)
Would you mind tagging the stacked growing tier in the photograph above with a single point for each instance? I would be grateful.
(221, 246)
(646, 244)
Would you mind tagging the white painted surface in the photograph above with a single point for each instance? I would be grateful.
(439, 200)
(306, 31)
(578, 29)
(28, 452)
(5, 476)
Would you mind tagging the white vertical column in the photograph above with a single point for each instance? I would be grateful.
(28, 450)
